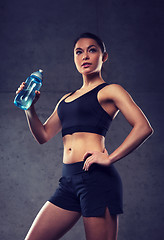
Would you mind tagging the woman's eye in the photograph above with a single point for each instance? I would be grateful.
(78, 52)
(93, 50)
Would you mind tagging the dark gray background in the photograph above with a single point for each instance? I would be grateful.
(40, 34)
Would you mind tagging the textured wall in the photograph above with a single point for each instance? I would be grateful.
(40, 34)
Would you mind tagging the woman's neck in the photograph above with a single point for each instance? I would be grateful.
(92, 80)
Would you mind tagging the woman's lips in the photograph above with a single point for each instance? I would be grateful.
(86, 65)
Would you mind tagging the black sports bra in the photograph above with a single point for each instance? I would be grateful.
(84, 114)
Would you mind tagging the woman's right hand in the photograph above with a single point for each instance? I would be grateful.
(20, 87)
(37, 93)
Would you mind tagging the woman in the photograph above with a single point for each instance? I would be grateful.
(90, 185)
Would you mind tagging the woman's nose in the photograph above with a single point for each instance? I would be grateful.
(85, 56)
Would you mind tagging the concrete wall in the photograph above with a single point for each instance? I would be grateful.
(40, 34)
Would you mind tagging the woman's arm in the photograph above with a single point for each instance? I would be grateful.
(42, 132)
(141, 128)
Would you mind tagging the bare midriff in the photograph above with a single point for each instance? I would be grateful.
(77, 144)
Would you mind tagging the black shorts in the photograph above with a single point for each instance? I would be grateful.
(89, 192)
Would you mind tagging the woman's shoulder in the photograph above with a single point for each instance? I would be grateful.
(113, 88)
(114, 91)
(62, 98)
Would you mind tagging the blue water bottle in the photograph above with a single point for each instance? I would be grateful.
(25, 97)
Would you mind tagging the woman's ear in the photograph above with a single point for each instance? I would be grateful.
(105, 57)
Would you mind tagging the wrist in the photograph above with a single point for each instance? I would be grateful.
(110, 159)
(30, 111)
(30, 108)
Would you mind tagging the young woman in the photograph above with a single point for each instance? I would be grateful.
(90, 186)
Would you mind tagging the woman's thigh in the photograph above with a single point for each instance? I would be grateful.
(52, 222)
(104, 228)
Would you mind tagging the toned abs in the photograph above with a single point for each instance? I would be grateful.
(77, 144)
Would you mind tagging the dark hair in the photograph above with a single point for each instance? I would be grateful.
(92, 36)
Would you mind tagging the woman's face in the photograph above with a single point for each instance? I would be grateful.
(88, 56)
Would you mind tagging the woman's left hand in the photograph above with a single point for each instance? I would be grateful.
(96, 157)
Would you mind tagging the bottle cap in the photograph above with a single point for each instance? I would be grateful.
(38, 74)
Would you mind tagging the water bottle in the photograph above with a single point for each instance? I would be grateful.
(25, 97)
